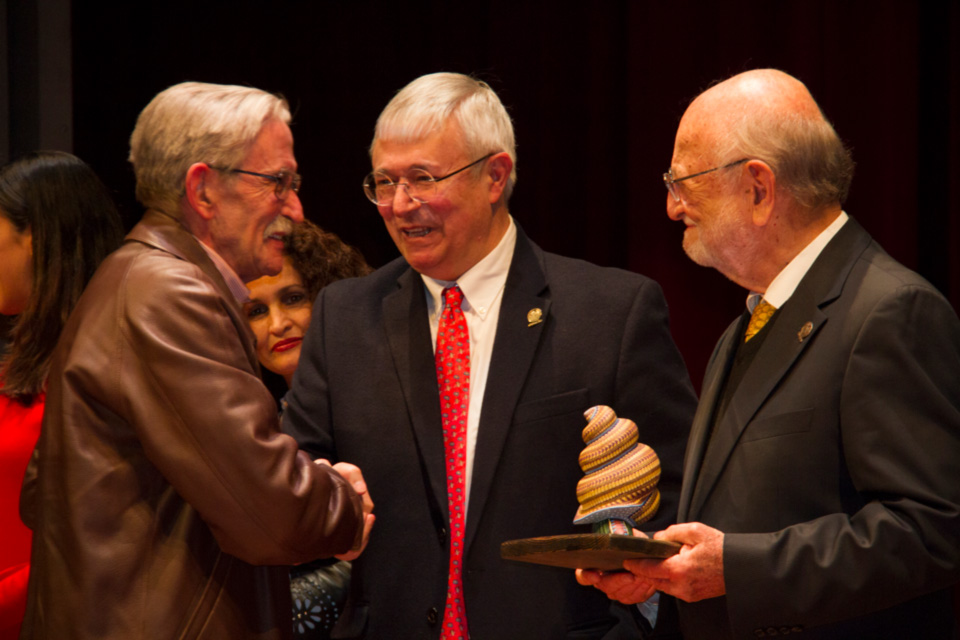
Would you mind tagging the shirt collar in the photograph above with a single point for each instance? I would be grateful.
(482, 283)
(787, 281)
(230, 277)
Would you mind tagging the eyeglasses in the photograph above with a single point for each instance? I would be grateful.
(669, 181)
(420, 185)
(286, 181)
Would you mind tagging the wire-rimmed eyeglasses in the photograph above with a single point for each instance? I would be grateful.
(286, 181)
(669, 181)
(380, 188)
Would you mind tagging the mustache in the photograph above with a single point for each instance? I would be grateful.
(280, 227)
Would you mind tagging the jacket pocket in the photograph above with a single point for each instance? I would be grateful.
(557, 405)
(779, 425)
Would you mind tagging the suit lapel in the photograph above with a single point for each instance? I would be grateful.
(713, 383)
(513, 352)
(407, 328)
(780, 350)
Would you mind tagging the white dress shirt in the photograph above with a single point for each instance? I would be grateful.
(786, 282)
(482, 286)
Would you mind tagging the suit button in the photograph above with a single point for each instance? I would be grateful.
(759, 633)
(772, 631)
(442, 534)
(432, 616)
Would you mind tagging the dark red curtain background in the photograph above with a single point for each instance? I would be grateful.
(595, 89)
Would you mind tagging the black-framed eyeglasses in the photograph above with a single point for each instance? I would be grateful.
(669, 181)
(286, 181)
(420, 185)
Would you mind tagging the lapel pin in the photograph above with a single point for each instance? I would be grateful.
(804, 331)
(534, 316)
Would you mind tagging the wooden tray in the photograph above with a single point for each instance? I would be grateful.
(586, 550)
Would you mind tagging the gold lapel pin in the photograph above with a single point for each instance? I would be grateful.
(804, 331)
(534, 316)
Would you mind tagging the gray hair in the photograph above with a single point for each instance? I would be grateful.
(195, 122)
(808, 158)
(425, 105)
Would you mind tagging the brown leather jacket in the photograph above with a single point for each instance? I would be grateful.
(164, 490)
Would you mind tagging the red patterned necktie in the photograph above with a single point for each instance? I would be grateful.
(453, 378)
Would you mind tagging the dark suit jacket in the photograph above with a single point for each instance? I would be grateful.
(836, 468)
(163, 477)
(366, 392)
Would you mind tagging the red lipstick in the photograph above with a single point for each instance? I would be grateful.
(286, 344)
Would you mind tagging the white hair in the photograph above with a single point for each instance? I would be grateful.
(195, 122)
(425, 106)
(808, 158)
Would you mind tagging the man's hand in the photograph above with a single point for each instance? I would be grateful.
(621, 586)
(696, 573)
(352, 474)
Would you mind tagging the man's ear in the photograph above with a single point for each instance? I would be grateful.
(199, 189)
(498, 170)
(763, 184)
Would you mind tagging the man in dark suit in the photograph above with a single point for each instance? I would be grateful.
(821, 485)
(548, 337)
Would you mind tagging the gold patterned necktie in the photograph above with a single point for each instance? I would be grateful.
(762, 313)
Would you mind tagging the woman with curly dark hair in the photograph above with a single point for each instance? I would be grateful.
(280, 306)
(57, 222)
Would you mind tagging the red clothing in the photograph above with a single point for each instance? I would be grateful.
(19, 429)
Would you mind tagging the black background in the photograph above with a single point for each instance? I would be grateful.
(595, 90)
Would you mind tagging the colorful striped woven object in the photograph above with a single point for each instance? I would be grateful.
(621, 473)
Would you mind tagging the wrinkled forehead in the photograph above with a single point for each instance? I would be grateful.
(690, 141)
(698, 134)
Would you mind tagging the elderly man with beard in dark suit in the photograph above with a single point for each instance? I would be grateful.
(821, 484)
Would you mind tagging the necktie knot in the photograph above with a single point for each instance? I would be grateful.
(453, 297)
(761, 314)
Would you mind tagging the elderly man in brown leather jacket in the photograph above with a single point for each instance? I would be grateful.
(165, 497)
